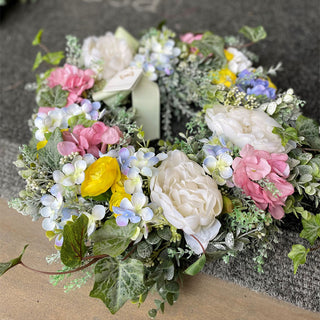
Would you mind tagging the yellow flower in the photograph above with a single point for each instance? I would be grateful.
(229, 56)
(224, 76)
(100, 176)
(271, 84)
(41, 144)
(116, 199)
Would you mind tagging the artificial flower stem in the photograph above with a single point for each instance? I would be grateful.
(62, 272)
(42, 46)
(194, 237)
(315, 248)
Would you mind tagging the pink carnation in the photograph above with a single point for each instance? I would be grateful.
(89, 140)
(189, 38)
(255, 165)
(72, 79)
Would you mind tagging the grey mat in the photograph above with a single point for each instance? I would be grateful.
(293, 38)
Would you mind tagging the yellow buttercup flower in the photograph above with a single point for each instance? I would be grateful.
(229, 56)
(41, 144)
(224, 76)
(100, 176)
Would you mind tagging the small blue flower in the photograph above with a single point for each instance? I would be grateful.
(248, 82)
(91, 108)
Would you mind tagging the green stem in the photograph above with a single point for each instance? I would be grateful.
(62, 272)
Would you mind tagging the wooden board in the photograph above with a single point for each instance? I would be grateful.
(29, 296)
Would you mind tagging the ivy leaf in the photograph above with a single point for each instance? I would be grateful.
(73, 248)
(253, 34)
(309, 129)
(49, 154)
(211, 43)
(311, 228)
(112, 239)
(286, 134)
(54, 97)
(37, 38)
(197, 266)
(5, 266)
(53, 57)
(298, 255)
(117, 281)
(37, 61)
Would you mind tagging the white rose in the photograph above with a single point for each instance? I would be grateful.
(106, 55)
(239, 62)
(242, 126)
(189, 198)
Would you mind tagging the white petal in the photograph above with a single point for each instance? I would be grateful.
(204, 236)
(80, 165)
(98, 212)
(58, 176)
(226, 173)
(47, 200)
(146, 171)
(68, 169)
(225, 157)
(138, 200)
(126, 204)
(146, 214)
(80, 178)
(46, 212)
(48, 224)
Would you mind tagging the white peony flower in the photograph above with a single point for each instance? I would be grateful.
(242, 126)
(189, 198)
(239, 62)
(106, 55)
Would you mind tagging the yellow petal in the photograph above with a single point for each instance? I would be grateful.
(100, 176)
(41, 144)
(229, 56)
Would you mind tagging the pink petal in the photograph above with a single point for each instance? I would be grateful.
(111, 136)
(66, 147)
(277, 212)
(45, 110)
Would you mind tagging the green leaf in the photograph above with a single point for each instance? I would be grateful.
(144, 249)
(311, 228)
(309, 129)
(253, 34)
(117, 281)
(197, 266)
(211, 43)
(5, 266)
(298, 255)
(73, 248)
(286, 134)
(54, 97)
(112, 239)
(49, 154)
(37, 61)
(80, 119)
(53, 57)
(37, 38)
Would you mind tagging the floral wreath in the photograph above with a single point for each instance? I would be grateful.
(138, 217)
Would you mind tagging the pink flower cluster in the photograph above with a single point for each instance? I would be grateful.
(72, 79)
(189, 38)
(255, 165)
(89, 140)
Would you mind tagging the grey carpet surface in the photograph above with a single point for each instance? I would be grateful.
(293, 37)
